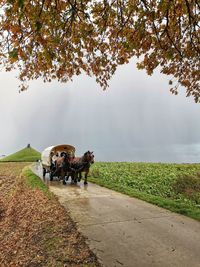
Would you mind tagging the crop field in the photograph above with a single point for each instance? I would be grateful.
(172, 186)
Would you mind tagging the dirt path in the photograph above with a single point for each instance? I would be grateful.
(124, 231)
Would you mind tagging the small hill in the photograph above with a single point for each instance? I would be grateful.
(27, 154)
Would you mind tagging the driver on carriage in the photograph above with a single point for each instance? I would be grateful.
(54, 158)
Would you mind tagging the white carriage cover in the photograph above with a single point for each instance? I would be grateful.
(46, 154)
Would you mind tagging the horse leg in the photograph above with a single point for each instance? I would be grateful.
(75, 177)
(86, 174)
(67, 176)
(56, 172)
(44, 172)
(71, 174)
(64, 180)
(79, 176)
(59, 176)
(51, 176)
(62, 175)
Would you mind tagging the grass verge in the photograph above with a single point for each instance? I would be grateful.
(34, 182)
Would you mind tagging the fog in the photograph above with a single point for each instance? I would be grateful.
(135, 119)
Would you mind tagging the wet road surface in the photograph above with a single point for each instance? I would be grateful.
(125, 231)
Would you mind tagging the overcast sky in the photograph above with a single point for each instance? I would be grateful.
(136, 119)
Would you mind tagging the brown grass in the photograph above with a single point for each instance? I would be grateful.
(36, 230)
(189, 186)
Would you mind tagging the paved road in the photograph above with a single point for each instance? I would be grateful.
(125, 231)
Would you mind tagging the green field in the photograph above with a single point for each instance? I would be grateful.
(27, 154)
(172, 186)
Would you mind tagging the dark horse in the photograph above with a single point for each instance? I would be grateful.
(79, 165)
(64, 167)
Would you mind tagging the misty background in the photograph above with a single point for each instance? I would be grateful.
(135, 119)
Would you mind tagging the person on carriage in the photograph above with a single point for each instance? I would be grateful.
(54, 158)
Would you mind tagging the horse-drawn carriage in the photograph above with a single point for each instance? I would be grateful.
(60, 161)
(47, 158)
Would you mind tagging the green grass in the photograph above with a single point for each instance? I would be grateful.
(27, 154)
(172, 186)
(34, 182)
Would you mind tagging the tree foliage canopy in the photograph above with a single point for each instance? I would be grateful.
(57, 39)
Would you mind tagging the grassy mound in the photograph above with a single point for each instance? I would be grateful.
(27, 154)
(172, 186)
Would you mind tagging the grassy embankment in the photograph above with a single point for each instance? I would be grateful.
(172, 186)
(35, 229)
(27, 154)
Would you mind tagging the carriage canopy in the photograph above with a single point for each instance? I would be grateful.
(47, 153)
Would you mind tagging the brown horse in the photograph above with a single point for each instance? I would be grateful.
(82, 164)
(63, 166)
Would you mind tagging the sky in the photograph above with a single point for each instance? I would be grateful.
(135, 119)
